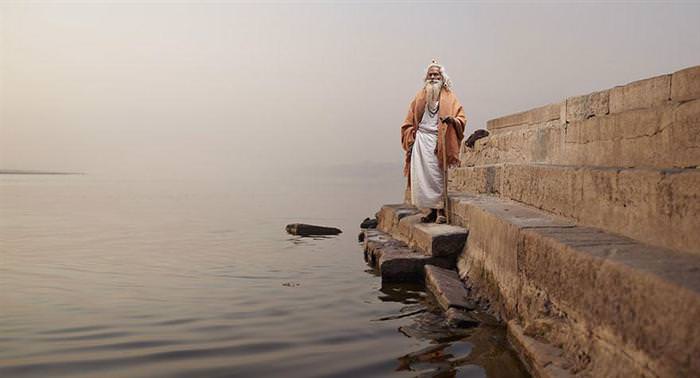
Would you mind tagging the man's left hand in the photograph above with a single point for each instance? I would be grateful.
(449, 120)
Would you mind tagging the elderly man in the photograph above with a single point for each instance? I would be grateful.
(434, 112)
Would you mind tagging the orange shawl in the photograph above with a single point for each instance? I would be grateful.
(449, 106)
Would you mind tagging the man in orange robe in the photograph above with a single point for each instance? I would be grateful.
(435, 111)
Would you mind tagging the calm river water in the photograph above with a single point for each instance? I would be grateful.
(196, 278)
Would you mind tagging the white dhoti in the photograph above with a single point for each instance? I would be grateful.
(426, 175)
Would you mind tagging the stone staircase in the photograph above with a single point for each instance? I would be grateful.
(402, 246)
(405, 250)
(583, 222)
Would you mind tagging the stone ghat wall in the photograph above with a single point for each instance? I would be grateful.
(584, 226)
(624, 159)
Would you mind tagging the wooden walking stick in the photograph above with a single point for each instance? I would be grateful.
(446, 201)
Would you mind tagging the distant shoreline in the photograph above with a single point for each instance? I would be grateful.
(22, 172)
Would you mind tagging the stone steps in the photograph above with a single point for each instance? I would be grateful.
(659, 207)
(396, 261)
(663, 136)
(402, 246)
(613, 305)
(402, 222)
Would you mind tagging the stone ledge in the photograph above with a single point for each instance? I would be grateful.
(538, 115)
(594, 104)
(659, 207)
(641, 94)
(665, 136)
(439, 239)
(603, 298)
(403, 223)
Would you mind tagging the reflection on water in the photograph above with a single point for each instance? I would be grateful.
(137, 278)
(451, 352)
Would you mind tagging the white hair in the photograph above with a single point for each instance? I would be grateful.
(447, 83)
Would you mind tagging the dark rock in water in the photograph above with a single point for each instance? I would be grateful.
(302, 229)
(369, 223)
(478, 134)
(361, 237)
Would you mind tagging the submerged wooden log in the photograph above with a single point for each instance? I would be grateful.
(302, 229)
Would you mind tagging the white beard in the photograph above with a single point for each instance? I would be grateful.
(432, 98)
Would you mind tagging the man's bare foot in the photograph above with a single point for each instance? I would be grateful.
(430, 218)
(440, 218)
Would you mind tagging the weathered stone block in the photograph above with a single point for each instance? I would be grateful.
(545, 113)
(447, 288)
(543, 187)
(438, 239)
(641, 94)
(685, 84)
(507, 121)
(401, 265)
(541, 114)
(587, 106)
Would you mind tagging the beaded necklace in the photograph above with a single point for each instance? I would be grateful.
(431, 111)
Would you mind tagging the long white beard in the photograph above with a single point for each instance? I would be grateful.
(432, 89)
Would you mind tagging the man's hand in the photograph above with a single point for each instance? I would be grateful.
(448, 120)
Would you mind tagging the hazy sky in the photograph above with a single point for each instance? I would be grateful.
(232, 89)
